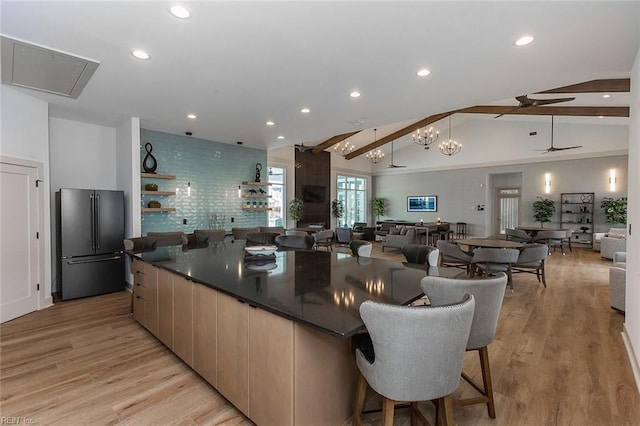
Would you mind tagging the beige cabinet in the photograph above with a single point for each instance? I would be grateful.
(233, 351)
(270, 368)
(182, 318)
(205, 336)
(151, 298)
(165, 308)
(137, 268)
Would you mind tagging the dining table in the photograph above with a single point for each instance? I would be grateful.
(533, 230)
(488, 243)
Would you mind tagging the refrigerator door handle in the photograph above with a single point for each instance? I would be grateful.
(97, 216)
(105, 259)
(93, 224)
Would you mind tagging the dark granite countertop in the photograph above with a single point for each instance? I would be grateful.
(320, 289)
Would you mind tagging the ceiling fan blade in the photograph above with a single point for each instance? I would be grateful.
(567, 147)
(395, 166)
(538, 102)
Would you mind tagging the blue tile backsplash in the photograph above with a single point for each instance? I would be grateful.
(214, 170)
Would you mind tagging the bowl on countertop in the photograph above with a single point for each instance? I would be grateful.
(261, 250)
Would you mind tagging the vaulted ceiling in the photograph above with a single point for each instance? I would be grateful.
(238, 65)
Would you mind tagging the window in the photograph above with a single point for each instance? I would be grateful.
(352, 191)
(277, 192)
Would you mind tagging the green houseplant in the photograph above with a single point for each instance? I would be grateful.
(296, 209)
(543, 209)
(377, 207)
(337, 209)
(615, 209)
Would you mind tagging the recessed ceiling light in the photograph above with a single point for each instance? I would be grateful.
(269, 123)
(523, 41)
(140, 54)
(423, 72)
(192, 116)
(606, 96)
(180, 11)
(354, 94)
(305, 110)
(280, 137)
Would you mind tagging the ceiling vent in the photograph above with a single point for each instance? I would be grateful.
(37, 67)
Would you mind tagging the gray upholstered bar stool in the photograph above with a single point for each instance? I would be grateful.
(488, 293)
(417, 355)
(304, 242)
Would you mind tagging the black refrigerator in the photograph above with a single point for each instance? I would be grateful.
(90, 241)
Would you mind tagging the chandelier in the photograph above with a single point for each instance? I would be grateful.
(426, 138)
(343, 150)
(450, 147)
(375, 156)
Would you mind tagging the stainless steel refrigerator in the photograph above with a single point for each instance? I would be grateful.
(90, 241)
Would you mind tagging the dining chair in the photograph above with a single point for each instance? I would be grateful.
(262, 238)
(551, 239)
(452, 255)
(295, 241)
(567, 238)
(489, 294)
(323, 239)
(531, 260)
(294, 232)
(517, 235)
(421, 254)
(494, 260)
(415, 354)
(343, 236)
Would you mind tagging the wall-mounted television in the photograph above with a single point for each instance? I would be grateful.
(314, 193)
(427, 203)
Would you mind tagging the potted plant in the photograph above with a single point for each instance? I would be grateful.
(296, 209)
(377, 207)
(615, 209)
(337, 209)
(543, 209)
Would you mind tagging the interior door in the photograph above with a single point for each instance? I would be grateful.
(18, 241)
(508, 202)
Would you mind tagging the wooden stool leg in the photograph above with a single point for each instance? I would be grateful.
(486, 379)
(388, 406)
(361, 392)
(447, 411)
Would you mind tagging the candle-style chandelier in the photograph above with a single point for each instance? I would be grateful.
(426, 138)
(375, 156)
(343, 149)
(450, 147)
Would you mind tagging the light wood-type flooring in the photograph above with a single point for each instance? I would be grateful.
(558, 359)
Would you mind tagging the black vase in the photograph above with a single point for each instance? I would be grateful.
(149, 164)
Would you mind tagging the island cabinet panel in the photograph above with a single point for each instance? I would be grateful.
(165, 308)
(151, 298)
(182, 319)
(324, 367)
(233, 351)
(270, 368)
(205, 338)
(139, 302)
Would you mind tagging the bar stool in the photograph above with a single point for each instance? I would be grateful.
(461, 230)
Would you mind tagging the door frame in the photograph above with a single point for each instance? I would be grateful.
(497, 209)
(42, 189)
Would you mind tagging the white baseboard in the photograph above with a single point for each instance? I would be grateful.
(635, 367)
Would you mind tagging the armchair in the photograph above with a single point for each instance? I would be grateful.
(612, 243)
(400, 240)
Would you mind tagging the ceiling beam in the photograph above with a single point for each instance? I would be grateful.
(398, 133)
(333, 141)
(576, 111)
(595, 86)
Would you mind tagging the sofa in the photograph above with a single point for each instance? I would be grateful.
(613, 241)
(404, 237)
(617, 281)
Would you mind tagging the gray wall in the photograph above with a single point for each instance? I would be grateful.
(460, 191)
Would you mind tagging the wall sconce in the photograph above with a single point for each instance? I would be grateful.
(188, 189)
(547, 183)
(612, 180)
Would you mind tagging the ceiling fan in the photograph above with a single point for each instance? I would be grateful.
(553, 148)
(525, 101)
(391, 165)
(302, 147)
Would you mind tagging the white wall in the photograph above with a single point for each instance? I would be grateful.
(460, 191)
(24, 129)
(632, 304)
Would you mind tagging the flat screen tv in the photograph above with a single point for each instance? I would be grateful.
(314, 193)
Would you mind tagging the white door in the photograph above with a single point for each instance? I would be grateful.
(507, 212)
(18, 241)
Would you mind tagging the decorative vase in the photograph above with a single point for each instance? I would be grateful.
(151, 187)
(149, 164)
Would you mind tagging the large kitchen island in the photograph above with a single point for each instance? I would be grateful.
(272, 336)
